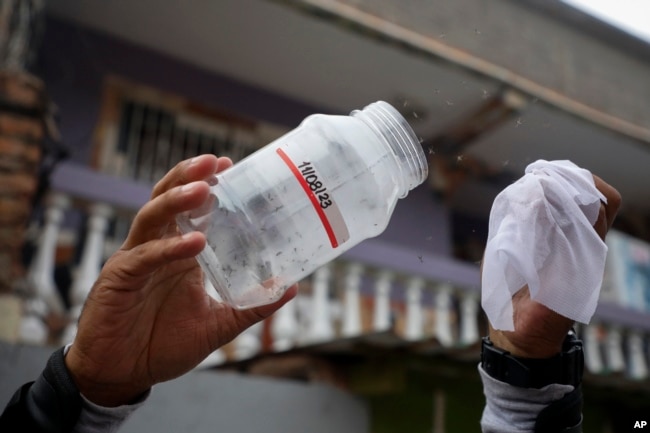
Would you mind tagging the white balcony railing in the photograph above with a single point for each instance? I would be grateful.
(364, 293)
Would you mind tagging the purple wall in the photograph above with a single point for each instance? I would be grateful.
(421, 223)
(74, 61)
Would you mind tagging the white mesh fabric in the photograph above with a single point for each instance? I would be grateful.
(541, 234)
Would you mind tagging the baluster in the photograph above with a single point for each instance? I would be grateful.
(443, 315)
(320, 328)
(352, 301)
(215, 358)
(284, 326)
(218, 356)
(638, 368)
(593, 357)
(469, 333)
(414, 317)
(381, 315)
(41, 271)
(90, 265)
(646, 353)
(614, 349)
(32, 329)
(249, 342)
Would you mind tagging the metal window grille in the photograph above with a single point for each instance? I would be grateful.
(151, 140)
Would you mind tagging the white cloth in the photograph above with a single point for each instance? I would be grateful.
(541, 234)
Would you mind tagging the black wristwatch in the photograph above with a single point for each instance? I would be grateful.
(565, 368)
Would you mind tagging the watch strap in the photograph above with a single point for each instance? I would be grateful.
(565, 368)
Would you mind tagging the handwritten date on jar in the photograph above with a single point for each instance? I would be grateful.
(316, 186)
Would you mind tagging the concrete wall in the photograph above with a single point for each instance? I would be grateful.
(210, 401)
(543, 41)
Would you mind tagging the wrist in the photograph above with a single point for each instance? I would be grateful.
(544, 343)
(93, 386)
(565, 367)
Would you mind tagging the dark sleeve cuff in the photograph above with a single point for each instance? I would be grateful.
(50, 404)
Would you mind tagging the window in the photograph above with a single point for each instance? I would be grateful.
(142, 132)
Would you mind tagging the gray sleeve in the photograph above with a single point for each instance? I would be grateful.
(99, 419)
(510, 409)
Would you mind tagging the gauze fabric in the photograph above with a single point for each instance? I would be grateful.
(541, 234)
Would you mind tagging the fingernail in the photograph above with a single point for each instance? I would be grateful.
(194, 160)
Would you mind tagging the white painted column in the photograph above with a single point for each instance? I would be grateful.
(414, 316)
(90, 265)
(381, 315)
(614, 349)
(638, 366)
(593, 356)
(212, 360)
(351, 325)
(284, 326)
(443, 331)
(249, 342)
(469, 305)
(40, 276)
(218, 356)
(32, 328)
(320, 327)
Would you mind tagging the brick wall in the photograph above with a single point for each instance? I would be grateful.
(22, 132)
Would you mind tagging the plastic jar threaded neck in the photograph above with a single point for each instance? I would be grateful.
(391, 126)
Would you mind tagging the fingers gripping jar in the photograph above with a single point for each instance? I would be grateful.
(303, 200)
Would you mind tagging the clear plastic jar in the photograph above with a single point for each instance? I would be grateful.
(304, 199)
